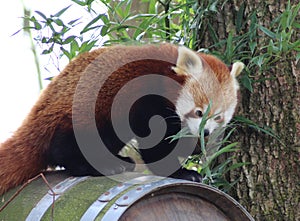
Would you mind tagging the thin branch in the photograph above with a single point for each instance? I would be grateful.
(25, 185)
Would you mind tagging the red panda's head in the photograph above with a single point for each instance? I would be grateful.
(209, 83)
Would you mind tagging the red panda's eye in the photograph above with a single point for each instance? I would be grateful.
(218, 119)
(198, 113)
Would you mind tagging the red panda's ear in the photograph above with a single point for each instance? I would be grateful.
(236, 68)
(188, 62)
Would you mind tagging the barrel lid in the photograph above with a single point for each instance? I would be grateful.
(224, 202)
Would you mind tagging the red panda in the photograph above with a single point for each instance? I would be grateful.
(47, 137)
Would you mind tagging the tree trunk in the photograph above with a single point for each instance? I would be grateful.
(269, 187)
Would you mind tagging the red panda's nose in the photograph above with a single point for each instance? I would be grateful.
(206, 132)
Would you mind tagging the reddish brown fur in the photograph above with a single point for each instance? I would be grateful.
(222, 72)
(23, 155)
(217, 66)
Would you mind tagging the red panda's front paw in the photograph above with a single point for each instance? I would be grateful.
(186, 174)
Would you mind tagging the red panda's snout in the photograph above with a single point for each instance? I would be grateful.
(193, 122)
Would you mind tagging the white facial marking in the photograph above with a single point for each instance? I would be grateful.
(185, 103)
(193, 125)
(228, 114)
(211, 125)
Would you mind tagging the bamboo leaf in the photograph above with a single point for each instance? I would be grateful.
(213, 34)
(59, 22)
(236, 165)
(73, 21)
(298, 57)
(295, 45)
(87, 46)
(42, 15)
(184, 132)
(247, 82)
(74, 47)
(66, 53)
(37, 25)
(61, 11)
(226, 149)
(128, 8)
(255, 126)
(239, 17)
(69, 39)
(82, 3)
(267, 32)
(229, 47)
(88, 26)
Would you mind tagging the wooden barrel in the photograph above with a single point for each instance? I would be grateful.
(140, 198)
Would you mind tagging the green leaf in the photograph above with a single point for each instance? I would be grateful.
(258, 60)
(104, 30)
(294, 13)
(41, 14)
(267, 32)
(152, 7)
(88, 26)
(252, 46)
(298, 57)
(239, 17)
(44, 40)
(48, 51)
(87, 46)
(69, 39)
(61, 11)
(202, 128)
(229, 47)
(213, 34)
(89, 2)
(295, 45)
(255, 126)
(296, 25)
(37, 25)
(128, 7)
(81, 3)
(74, 47)
(73, 21)
(58, 21)
(226, 149)
(118, 9)
(184, 132)
(235, 166)
(247, 82)
(66, 53)
(213, 6)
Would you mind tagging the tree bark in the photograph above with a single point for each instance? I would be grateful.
(269, 187)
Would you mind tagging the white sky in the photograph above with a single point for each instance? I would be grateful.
(18, 77)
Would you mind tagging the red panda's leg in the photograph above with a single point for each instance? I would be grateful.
(64, 151)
